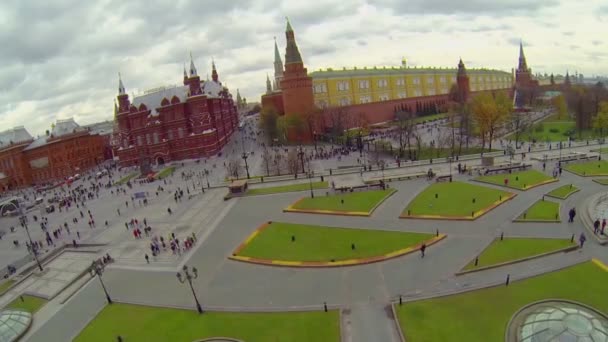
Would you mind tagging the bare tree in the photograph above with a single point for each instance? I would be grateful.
(405, 130)
(442, 141)
(337, 117)
(266, 160)
(234, 166)
(518, 123)
(278, 162)
(292, 162)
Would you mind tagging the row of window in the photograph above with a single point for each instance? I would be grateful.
(7, 164)
(400, 82)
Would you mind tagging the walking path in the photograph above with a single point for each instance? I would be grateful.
(363, 291)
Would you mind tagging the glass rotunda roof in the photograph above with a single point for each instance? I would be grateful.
(560, 321)
(13, 324)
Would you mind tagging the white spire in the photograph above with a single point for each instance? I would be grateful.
(121, 87)
(192, 67)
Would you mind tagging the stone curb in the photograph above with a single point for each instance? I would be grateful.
(567, 195)
(291, 209)
(586, 219)
(475, 216)
(532, 257)
(598, 182)
(320, 264)
(286, 192)
(548, 181)
(518, 218)
(600, 264)
(587, 175)
(396, 320)
(490, 285)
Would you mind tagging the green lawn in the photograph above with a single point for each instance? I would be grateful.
(603, 181)
(563, 192)
(287, 188)
(592, 168)
(521, 180)
(541, 211)
(450, 194)
(431, 117)
(511, 249)
(29, 303)
(482, 315)
(553, 130)
(166, 172)
(362, 201)
(5, 285)
(149, 324)
(127, 178)
(317, 243)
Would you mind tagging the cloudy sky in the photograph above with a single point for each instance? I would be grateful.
(60, 58)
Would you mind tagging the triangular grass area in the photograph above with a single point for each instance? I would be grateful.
(483, 315)
(318, 243)
(542, 210)
(512, 249)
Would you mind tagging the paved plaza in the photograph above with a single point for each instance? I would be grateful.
(362, 292)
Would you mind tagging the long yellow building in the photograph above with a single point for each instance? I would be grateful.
(364, 85)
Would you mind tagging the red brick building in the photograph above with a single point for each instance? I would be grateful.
(66, 150)
(171, 123)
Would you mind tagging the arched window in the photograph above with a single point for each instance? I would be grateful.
(148, 140)
(155, 137)
(180, 132)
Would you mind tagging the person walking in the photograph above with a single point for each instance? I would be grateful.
(581, 239)
(422, 250)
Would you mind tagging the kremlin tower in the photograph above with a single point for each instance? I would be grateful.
(291, 90)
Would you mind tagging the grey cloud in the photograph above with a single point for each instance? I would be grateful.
(492, 8)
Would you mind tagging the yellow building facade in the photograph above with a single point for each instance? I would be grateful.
(364, 85)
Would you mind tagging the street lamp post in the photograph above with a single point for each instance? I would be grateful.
(97, 269)
(312, 194)
(301, 155)
(187, 276)
(314, 139)
(23, 220)
(244, 156)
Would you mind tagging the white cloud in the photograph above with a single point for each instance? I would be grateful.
(65, 61)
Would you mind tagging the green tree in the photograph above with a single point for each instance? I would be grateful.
(561, 107)
(269, 124)
(600, 121)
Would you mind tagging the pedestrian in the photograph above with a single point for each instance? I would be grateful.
(582, 238)
(422, 249)
(596, 226)
(571, 214)
(147, 258)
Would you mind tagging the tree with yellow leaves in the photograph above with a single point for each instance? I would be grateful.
(490, 111)
(561, 107)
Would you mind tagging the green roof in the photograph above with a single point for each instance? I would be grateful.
(362, 72)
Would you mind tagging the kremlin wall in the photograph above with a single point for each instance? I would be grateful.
(373, 94)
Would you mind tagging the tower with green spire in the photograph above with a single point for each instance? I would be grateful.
(278, 66)
(296, 87)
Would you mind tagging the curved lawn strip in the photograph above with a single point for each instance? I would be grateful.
(602, 181)
(592, 168)
(126, 178)
(482, 315)
(454, 199)
(360, 201)
(29, 303)
(511, 249)
(522, 180)
(563, 192)
(145, 323)
(541, 211)
(323, 244)
(286, 188)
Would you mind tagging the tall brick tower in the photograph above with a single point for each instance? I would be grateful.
(296, 86)
(122, 113)
(523, 75)
(462, 81)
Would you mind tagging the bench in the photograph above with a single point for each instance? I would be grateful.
(443, 178)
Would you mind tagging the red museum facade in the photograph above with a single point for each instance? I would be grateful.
(193, 120)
